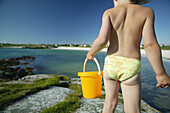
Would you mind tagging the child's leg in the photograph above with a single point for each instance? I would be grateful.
(111, 90)
(131, 90)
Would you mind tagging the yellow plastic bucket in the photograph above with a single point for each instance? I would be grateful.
(91, 82)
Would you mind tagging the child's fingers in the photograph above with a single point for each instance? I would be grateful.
(163, 85)
(158, 85)
(166, 86)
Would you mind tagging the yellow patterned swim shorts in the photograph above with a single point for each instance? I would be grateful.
(121, 68)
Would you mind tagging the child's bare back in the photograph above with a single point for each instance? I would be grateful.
(126, 31)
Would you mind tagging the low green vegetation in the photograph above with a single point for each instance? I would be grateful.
(9, 45)
(162, 47)
(48, 46)
(165, 47)
(13, 92)
(71, 103)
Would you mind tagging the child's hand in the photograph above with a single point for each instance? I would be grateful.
(89, 56)
(163, 81)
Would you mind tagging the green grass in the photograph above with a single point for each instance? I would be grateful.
(14, 92)
(162, 48)
(71, 103)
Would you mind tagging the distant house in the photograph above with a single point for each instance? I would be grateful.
(87, 45)
(142, 45)
(162, 45)
(84, 45)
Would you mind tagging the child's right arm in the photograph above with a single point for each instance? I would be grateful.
(153, 51)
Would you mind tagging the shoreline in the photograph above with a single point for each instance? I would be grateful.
(165, 53)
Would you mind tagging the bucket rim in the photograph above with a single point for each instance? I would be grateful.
(90, 73)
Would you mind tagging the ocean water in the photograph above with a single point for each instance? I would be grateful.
(70, 62)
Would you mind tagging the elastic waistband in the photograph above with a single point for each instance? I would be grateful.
(121, 57)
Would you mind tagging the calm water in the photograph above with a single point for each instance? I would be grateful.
(69, 62)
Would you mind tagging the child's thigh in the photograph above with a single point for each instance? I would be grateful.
(111, 86)
(131, 90)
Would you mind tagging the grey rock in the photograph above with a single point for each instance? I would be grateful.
(95, 106)
(39, 101)
(16, 82)
(75, 81)
(32, 78)
(65, 83)
(147, 108)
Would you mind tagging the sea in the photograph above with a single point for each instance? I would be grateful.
(70, 62)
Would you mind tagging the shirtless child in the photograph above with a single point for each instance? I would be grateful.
(123, 27)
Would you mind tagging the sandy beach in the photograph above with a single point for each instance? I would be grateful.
(165, 53)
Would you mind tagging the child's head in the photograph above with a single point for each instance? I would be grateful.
(140, 1)
(116, 2)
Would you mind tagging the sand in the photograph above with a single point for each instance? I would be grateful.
(165, 53)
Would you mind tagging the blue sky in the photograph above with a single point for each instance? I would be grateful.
(65, 21)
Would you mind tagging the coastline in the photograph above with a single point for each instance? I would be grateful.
(165, 53)
(79, 49)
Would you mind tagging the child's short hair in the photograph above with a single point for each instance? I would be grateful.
(140, 1)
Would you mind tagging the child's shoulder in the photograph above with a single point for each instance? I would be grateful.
(108, 11)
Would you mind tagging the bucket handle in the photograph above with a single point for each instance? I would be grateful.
(97, 63)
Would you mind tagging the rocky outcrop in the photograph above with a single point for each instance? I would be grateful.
(39, 101)
(29, 70)
(4, 63)
(20, 73)
(19, 58)
(13, 73)
(8, 73)
(31, 78)
(96, 105)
